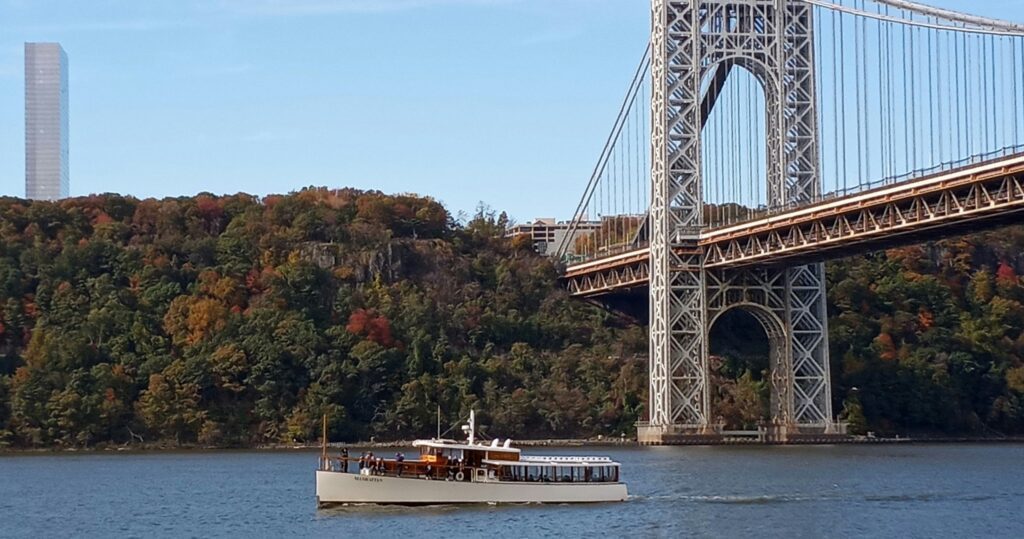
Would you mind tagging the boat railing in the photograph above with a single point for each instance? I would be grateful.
(395, 468)
(534, 460)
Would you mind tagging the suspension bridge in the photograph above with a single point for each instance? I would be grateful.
(761, 138)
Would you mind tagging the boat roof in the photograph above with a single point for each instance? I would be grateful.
(452, 444)
(537, 460)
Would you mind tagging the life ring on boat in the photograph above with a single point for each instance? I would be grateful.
(459, 476)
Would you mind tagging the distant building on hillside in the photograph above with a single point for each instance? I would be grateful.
(548, 233)
(46, 122)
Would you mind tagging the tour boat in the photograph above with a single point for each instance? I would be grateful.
(451, 472)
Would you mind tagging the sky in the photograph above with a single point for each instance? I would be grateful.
(505, 102)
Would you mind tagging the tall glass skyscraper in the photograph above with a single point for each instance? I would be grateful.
(46, 121)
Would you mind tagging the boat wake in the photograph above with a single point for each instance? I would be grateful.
(770, 499)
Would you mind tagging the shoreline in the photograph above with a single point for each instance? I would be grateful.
(555, 443)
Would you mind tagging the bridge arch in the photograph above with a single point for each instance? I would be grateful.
(770, 322)
(778, 359)
(753, 63)
(737, 178)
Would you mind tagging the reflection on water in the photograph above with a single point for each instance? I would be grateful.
(920, 491)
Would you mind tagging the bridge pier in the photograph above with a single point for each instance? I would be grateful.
(691, 41)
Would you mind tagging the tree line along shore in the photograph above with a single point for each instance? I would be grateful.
(238, 321)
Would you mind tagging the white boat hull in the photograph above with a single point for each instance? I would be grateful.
(346, 488)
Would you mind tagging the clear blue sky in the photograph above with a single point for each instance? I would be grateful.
(502, 101)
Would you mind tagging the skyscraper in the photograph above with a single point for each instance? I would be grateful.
(46, 122)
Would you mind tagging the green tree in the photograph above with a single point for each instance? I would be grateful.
(170, 409)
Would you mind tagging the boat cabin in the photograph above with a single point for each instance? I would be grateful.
(452, 453)
(558, 469)
(501, 462)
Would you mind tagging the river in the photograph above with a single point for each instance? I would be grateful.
(843, 491)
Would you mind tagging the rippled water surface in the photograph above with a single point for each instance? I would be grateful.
(905, 491)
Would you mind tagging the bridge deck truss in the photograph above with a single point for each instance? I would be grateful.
(970, 199)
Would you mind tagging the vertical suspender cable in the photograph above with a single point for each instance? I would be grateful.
(1005, 88)
(867, 57)
(913, 99)
(983, 105)
(626, 204)
(646, 149)
(641, 175)
(1014, 99)
(758, 137)
(609, 208)
(638, 139)
(1017, 102)
(968, 133)
(933, 63)
(842, 100)
(835, 102)
(990, 140)
(621, 206)
(859, 76)
(719, 145)
(892, 94)
(956, 75)
(883, 94)
(739, 145)
(948, 106)
(720, 125)
(932, 60)
(906, 103)
(994, 101)
(999, 45)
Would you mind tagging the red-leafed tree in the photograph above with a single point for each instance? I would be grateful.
(370, 325)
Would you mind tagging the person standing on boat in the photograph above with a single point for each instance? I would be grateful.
(344, 459)
(399, 463)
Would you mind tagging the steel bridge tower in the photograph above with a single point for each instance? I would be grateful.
(695, 44)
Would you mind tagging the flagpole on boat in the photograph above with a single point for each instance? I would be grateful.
(438, 422)
(323, 442)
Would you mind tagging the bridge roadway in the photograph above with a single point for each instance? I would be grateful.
(963, 200)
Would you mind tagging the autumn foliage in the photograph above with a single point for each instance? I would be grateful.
(238, 320)
(235, 320)
(367, 324)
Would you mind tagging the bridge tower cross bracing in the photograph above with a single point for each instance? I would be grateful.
(773, 40)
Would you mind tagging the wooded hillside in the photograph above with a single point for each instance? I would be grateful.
(234, 320)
